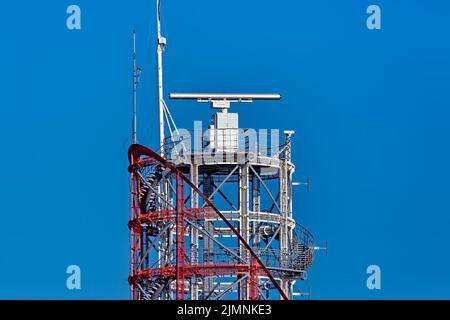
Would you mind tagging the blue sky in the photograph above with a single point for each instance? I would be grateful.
(370, 110)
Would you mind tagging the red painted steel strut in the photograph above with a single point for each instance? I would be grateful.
(136, 150)
(253, 280)
(134, 239)
(132, 232)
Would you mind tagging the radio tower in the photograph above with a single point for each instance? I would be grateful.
(211, 211)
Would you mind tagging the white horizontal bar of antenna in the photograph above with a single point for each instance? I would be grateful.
(224, 96)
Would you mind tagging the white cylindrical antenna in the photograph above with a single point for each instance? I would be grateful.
(134, 133)
(161, 44)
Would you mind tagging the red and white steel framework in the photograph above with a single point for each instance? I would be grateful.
(165, 242)
(203, 227)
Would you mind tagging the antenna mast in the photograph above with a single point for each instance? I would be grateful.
(161, 45)
(134, 134)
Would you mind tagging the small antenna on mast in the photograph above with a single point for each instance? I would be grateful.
(135, 75)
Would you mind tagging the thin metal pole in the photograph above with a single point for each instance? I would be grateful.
(134, 134)
(161, 44)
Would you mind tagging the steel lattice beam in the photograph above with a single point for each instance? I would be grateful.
(135, 152)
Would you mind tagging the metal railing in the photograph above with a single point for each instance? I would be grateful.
(229, 140)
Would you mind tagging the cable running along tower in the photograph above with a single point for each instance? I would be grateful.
(211, 211)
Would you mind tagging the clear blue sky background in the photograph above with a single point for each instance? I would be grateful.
(370, 108)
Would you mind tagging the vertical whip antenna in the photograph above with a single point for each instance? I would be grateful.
(135, 75)
(161, 45)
